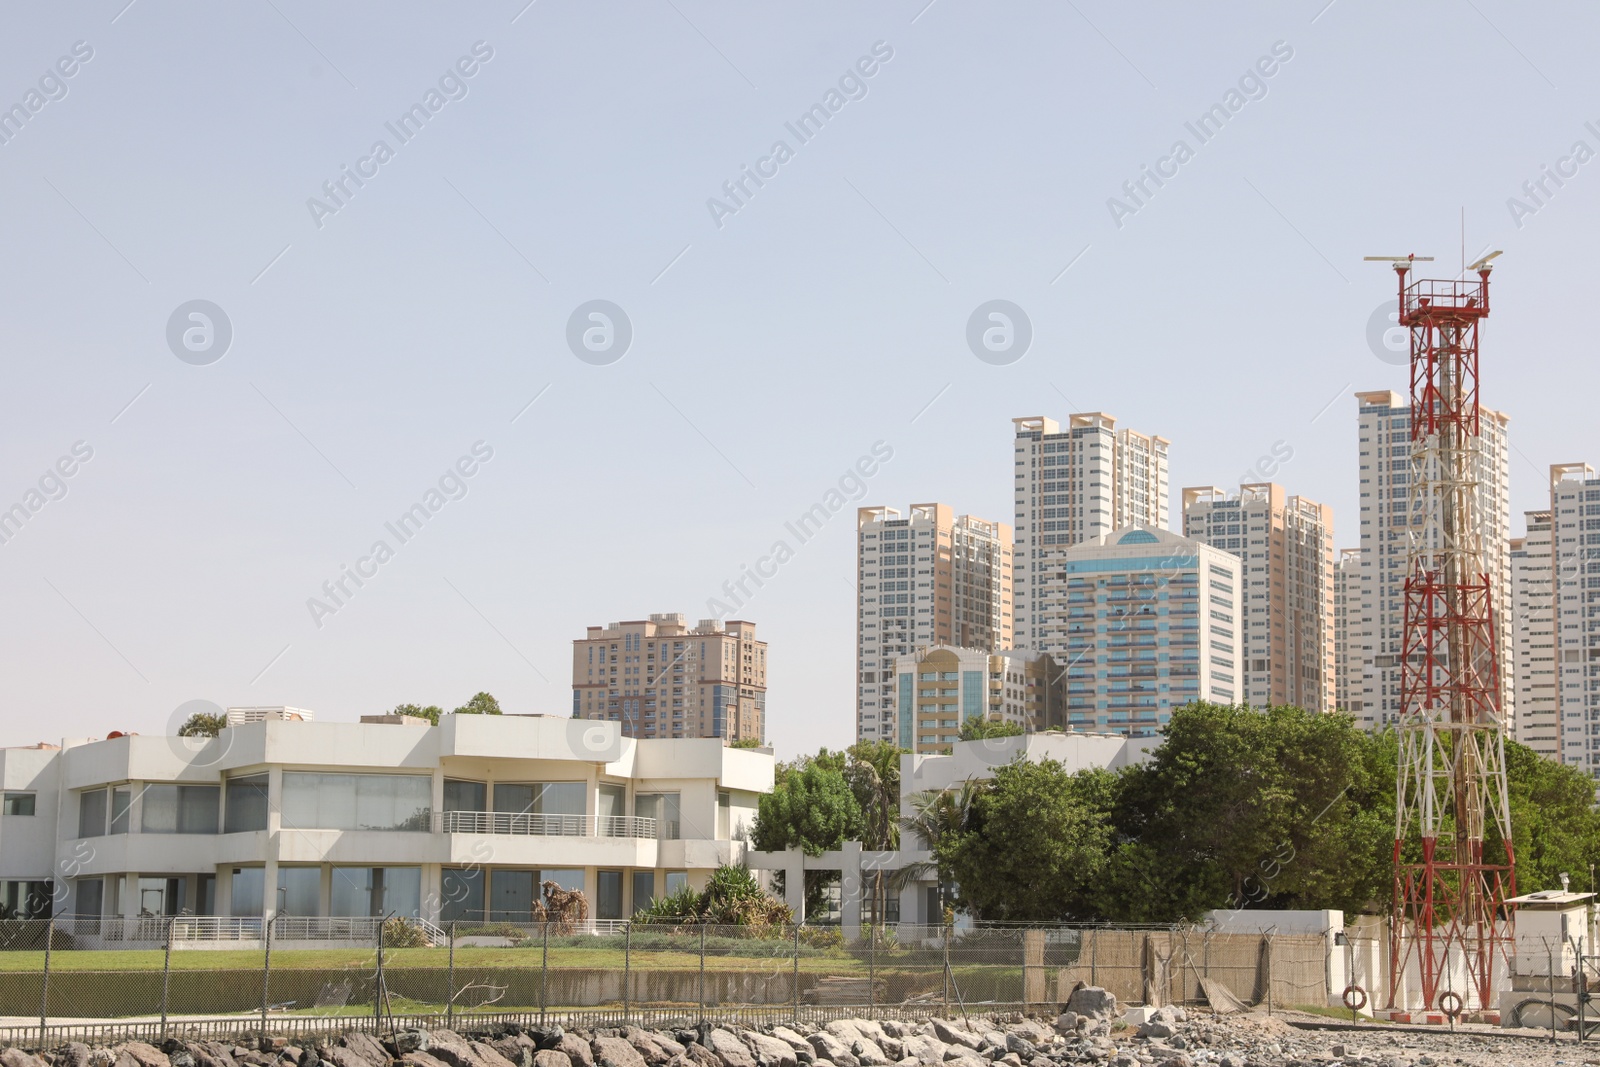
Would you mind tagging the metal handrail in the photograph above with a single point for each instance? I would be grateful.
(531, 824)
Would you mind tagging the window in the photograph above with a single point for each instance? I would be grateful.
(90, 897)
(608, 894)
(541, 798)
(246, 807)
(92, 813)
(356, 801)
(612, 805)
(461, 895)
(676, 881)
(121, 802)
(299, 890)
(662, 807)
(724, 816)
(376, 891)
(465, 796)
(246, 897)
(17, 804)
(644, 889)
(25, 900)
(179, 809)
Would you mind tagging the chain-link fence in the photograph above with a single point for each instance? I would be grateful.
(215, 977)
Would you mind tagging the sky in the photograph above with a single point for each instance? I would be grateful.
(241, 340)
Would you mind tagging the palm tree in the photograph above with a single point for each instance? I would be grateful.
(936, 814)
(874, 777)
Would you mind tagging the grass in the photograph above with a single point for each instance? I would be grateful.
(1340, 1014)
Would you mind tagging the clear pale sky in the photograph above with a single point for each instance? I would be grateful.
(377, 338)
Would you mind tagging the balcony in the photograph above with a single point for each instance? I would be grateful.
(528, 824)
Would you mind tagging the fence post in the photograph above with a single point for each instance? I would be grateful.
(627, 970)
(378, 991)
(44, 994)
(944, 979)
(794, 981)
(1094, 958)
(1269, 973)
(702, 972)
(266, 974)
(450, 982)
(872, 972)
(166, 977)
(544, 976)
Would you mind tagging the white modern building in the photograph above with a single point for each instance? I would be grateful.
(321, 825)
(1286, 545)
(1387, 522)
(1533, 637)
(1575, 581)
(1073, 484)
(930, 577)
(1152, 622)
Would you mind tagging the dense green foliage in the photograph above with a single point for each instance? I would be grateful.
(203, 724)
(1239, 807)
(479, 704)
(979, 728)
(731, 898)
(431, 712)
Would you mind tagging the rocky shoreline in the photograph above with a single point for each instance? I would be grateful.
(1090, 1032)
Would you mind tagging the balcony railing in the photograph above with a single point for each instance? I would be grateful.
(528, 824)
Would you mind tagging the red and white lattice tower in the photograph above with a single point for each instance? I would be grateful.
(1450, 922)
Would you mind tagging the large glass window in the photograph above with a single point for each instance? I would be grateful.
(662, 807)
(356, 801)
(299, 890)
(541, 798)
(90, 897)
(377, 891)
(461, 894)
(724, 816)
(179, 809)
(17, 804)
(246, 807)
(462, 795)
(92, 813)
(25, 900)
(121, 803)
(247, 883)
(644, 889)
(608, 895)
(676, 880)
(161, 896)
(511, 895)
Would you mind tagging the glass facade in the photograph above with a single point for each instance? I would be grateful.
(376, 891)
(246, 807)
(179, 809)
(356, 801)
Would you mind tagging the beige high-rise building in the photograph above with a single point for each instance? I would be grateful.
(658, 678)
(930, 577)
(1286, 546)
(1533, 636)
(1072, 485)
(1347, 628)
(938, 689)
(1386, 526)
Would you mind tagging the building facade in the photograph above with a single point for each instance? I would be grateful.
(1533, 636)
(929, 577)
(1073, 484)
(1347, 628)
(939, 688)
(316, 824)
(659, 678)
(1285, 544)
(1387, 520)
(1575, 585)
(1153, 621)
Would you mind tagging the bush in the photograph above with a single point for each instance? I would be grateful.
(400, 932)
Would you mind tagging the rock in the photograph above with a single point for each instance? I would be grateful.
(1093, 1001)
(516, 1049)
(868, 1053)
(15, 1057)
(576, 1049)
(419, 1058)
(954, 1035)
(701, 1056)
(488, 1056)
(770, 1051)
(144, 1055)
(1177, 1042)
(72, 1054)
(1155, 1028)
(925, 1050)
(792, 1039)
(729, 1049)
(408, 1041)
(657, 1049)
(830, 1048)
(618, 1051)
(549, 1057)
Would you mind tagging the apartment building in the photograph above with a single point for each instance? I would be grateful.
(928, 577)
(1575, 585)
(1152, 622)
(659, 678)
(1347, 627)
(1286, 546)
(1533, 637)
(937, 689)
(1074, 484)
(319, 825)
(1388, 518)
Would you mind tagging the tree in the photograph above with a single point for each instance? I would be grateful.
(1032, 843)
(203, 724)
(978, 728)
(431, 712)
(480, 704)
(873, 773)
(746, 742)
(811, 807)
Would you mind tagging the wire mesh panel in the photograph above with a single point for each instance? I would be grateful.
(664, 966)
(753, 965)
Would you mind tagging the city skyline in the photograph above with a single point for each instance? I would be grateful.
(523, 319)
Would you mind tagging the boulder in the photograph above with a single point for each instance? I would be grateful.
(360, 1048)
(549, 1057)
(407, 1041)
(925, 1050)
(72, 1054)
(488, 1056)
(729, 1049)
(770, 1051)
(517, 1049)
(790, 1038)
(621, 1053)
(954, 1035)
(577, 1050)
(701, 1056)
(657, 1049)
(1093, 1001)
(15, 1057)
(144, 1055)
(830, 1048)
(419, 1058)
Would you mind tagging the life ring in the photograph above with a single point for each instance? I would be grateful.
(1355, 998)
(1450, 1003)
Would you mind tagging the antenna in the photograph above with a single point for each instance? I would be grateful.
(1400, 259)
(1483, 264)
